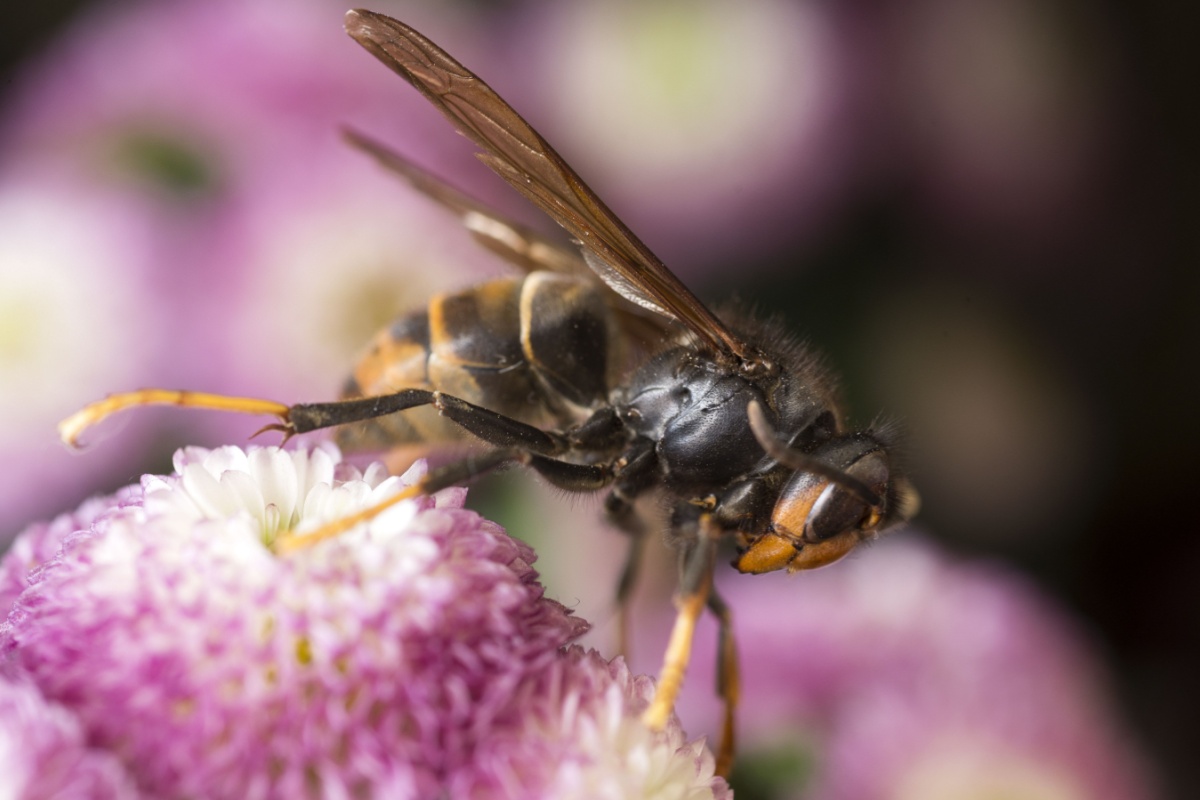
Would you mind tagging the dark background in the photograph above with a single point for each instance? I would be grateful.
(1114, 308)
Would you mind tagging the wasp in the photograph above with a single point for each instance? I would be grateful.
(728, 417)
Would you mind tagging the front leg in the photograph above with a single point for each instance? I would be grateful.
(495, 429)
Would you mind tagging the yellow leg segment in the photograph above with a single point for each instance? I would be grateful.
(696, 594)
(290, 541)
(675, 662)
(434, 481)
(73, 426)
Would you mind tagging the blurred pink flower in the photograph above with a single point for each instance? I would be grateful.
(76, 321)
(903, 674)
(188, 152)
(720, 131)
(414, 655)
(226, 140)
(44, 752)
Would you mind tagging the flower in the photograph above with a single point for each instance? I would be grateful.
(903, 673)
(40, 542)
(43, 751)
(413, 655)
(698, 113)
(66, 335)
(204, 175)
(576, 733)
(226, 141)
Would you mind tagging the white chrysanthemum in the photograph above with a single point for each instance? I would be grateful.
(273, 489)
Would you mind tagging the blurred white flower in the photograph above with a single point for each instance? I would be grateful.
(76, 319)
(177, 209)
(720, 131)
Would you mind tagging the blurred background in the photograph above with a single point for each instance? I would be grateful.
(981, 211)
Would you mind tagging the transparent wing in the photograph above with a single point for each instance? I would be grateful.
(517, 153)
(516, 243)
(520, 245)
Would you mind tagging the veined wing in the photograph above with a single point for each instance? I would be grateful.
(516, 243)
(520, 245)
(518, 153)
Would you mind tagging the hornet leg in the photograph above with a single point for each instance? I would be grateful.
(728, 681)
(694, 590)
(565, 475)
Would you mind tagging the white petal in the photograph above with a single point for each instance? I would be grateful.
(207, 493)
(275, 473)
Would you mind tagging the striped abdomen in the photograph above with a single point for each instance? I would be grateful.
(536, 348)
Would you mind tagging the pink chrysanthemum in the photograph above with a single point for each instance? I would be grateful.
(413, 654)
(906, 674)
(44, 753)
(573, 731)
(39, 543)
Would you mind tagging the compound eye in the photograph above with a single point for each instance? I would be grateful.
(839, 510)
